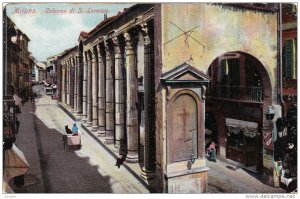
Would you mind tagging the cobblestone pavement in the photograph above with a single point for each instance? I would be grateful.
(55, 170)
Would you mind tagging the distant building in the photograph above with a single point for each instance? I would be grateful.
(18, 60)
(40, 71)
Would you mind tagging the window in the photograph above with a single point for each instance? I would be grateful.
(289, 59)
(230, 74)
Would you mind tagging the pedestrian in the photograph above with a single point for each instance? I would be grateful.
(212, 152)
(75, 129)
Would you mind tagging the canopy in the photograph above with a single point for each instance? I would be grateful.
(18, 100)
(250, 129)
(15, 163)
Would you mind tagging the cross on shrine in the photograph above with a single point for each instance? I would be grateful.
(184, 115)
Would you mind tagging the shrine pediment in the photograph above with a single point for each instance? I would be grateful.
(184, 73)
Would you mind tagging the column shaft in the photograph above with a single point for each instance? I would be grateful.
(132, 100)
(149, 102)
(89, 90)
(101, 91)
(62, 92)
(94, 90)
(84, 90)
(119, 94)
(75, 84)
(80, 82)
(109, 97)
(71, 84)
(68, 83)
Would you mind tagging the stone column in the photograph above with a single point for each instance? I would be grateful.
(84, 90)
(59, 81)
(94, 90)
(101, 87)
(71, 83)
(132, 99)
(68, 82)
(80, 82)
(149, 105)
(89, 88)
(75, 65)
(62, 92)
(119, 92)
(109, 97)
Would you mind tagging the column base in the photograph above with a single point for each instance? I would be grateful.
(101, 133)
(147, 175)
(132, 157)
(89, 124)
(117, 144)
(79, 115)
(109, 141)
(84, 119)
(94, 128)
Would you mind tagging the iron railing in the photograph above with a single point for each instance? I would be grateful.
(243, 93)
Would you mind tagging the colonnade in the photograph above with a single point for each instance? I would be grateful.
(100, 84)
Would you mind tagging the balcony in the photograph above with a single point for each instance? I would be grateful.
(237, 93)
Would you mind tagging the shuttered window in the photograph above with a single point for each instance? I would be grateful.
(289, 68)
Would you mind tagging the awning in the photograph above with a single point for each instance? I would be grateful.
(18, 100)
(15, 163)
(6, 188)
(250, 129)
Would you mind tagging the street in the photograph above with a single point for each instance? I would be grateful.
(55, 170)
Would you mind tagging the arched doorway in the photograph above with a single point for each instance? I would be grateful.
(239, 93)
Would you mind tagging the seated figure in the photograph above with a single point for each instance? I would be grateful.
(75, 130)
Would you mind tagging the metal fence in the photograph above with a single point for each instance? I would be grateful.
(244, 93)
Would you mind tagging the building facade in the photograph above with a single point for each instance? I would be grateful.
(160, 86)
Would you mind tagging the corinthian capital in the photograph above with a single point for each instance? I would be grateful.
(145, 33)
(116, 43)
(129, 40)
(106, 45)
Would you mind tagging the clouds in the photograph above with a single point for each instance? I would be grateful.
(52, 33)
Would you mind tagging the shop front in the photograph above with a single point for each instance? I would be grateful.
(243, 140)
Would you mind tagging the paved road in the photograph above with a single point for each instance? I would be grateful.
(223, 179)
(55, 170)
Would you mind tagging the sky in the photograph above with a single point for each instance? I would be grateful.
(55, 27)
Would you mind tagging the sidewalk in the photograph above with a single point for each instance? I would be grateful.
(133, 168)
(28, 141)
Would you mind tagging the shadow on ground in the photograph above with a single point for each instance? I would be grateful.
(62, 171)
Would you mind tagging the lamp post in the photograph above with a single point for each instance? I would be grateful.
(270, 116)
